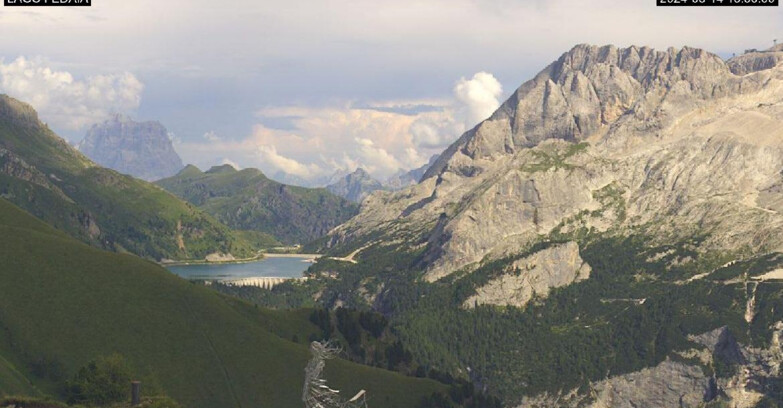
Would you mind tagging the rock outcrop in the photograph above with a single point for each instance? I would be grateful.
(680, 384)
(603, 138)
(754, 61)
(533, 276)
(141, 149)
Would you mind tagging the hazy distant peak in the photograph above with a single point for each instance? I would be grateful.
(141, 149)
(355, 186)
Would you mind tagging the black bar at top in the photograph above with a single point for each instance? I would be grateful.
(717, 3)
(47, 3)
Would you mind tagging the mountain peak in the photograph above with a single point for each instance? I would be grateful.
(588, 90)
(355, 186)
(18, 111)
(189, 170)
(631, 122)
(223, 168)
(141, 149)
(646, 65)
(360, 172)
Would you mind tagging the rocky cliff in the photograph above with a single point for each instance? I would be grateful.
(533, 276)
(691, 381)
(603, 139)
(141, 149)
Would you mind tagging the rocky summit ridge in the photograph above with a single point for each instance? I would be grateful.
(603, 139)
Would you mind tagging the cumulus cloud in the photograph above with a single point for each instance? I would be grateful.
(64, 101)
(475, 99)
(230, 163)
(338, 139)
(211, 136)
(288, 165)
(478, 97)
(383, 137)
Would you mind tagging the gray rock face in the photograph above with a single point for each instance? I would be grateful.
(756, 61)
(669, 384)
(535, 275)
(677, 384)
(722, 344)
(355, 186)
(141, 149)
(603, 138)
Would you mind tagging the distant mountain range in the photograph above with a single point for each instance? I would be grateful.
(355, 186)
(141, 149)
(359, 184)
(247, 200)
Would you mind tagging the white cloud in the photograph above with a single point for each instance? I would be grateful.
(383, 137)
(338, 138)
(475, 99)
(269, 154)
(211, 136)
(231, 163)
(64, 101)
(407, 33)
(376, 159)
(478, 97)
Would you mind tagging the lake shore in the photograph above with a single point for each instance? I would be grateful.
(260, 256)
(303, 256)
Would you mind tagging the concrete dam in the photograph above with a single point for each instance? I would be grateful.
(259, 282)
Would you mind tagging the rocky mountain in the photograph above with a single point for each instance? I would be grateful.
(603, 137)
(355, 186)
(533, 276)
(44, 175)
(141, 149)
(617, 206)
(247, 200)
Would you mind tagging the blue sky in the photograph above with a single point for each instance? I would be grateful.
(315, 87)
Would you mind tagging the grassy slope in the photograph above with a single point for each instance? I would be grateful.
(12, 382)
(61, 186)
(248, 200)
(66, 303)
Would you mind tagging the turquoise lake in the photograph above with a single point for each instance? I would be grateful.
(283, 267)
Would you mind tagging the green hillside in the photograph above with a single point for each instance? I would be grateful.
(248, 200)
(63, 304)
(41, 173)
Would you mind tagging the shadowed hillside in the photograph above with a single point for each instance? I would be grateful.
(63, 303)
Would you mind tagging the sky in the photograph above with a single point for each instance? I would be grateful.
(304, 90)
